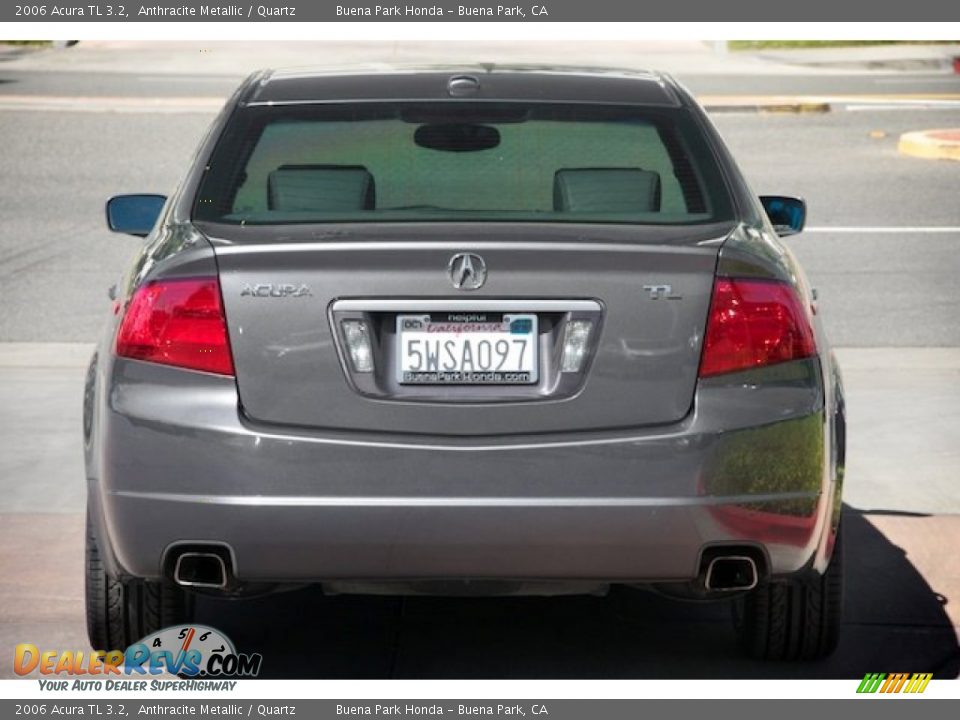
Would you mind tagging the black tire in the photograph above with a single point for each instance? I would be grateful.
(793, 620)
(120, 613)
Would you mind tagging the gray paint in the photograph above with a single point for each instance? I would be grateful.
(305, 479)
(646, 353)
(343, 505)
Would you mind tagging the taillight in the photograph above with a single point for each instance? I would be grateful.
(753, 323)
(177, 322)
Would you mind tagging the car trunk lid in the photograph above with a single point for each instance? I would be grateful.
(286, 290)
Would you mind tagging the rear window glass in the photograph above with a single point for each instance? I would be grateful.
(453, 161)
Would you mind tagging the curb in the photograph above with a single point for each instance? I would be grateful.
(904, 65)
(765, 103)
(940, 58)
(12, 52)
(772, 107)
(104, 104)
(931, 144)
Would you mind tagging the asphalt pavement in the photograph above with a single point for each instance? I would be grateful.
(876, 246)
(881, 247)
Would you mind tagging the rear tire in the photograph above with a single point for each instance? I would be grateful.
(794, 619)
(121, 613)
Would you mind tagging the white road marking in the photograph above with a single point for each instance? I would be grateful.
(911, 105)
(919, 229)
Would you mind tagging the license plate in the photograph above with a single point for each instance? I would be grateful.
(467, 349)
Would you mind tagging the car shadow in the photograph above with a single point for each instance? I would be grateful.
(893, 621)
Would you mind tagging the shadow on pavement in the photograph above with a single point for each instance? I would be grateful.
(893, 622)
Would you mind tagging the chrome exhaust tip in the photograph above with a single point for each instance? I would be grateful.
(729, 573)
(201, 570)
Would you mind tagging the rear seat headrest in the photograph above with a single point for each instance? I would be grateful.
(606, 190)
(321, 188)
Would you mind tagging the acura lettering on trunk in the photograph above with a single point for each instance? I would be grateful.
(271, 290)
(535, 338)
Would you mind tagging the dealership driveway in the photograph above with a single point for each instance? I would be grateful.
(883, 250)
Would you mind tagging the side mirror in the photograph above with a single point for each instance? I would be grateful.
(787, 214)
(134, 214)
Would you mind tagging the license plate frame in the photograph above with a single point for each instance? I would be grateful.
(520, 366)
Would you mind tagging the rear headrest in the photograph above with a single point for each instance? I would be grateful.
(321, 188)
(606, 190)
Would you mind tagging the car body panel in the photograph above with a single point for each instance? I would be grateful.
(492, 82)
(186, 466)
(646, 349)
(385, 490)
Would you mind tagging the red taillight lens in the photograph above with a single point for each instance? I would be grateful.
(754, 323)
(177, 322)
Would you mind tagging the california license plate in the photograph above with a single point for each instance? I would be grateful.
(467, 349)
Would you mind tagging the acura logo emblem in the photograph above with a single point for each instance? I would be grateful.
(467, 271)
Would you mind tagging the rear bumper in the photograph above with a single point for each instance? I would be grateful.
(609, 541)
(179, 465)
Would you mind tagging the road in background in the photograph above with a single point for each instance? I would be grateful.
(884, 278)
(882, 249)
(66, 161)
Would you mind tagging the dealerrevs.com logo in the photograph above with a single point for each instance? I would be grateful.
(189, 651)
(894, 682)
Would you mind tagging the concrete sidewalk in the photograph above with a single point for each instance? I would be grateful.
(873, 58)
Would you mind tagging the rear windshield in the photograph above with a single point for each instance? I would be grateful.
(451, 161)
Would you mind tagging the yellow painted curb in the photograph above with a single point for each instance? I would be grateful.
(801, 107)
(925, 144)
(763, 103)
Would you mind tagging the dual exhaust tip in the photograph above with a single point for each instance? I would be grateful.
(203, 569)
(211, 569)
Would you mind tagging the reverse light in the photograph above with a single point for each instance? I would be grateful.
(357, 338)
(179, 322)
(752, 323)
(576, 336)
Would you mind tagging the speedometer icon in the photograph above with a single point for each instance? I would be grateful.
(177, 650)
